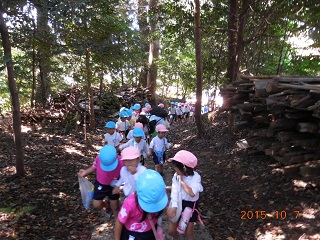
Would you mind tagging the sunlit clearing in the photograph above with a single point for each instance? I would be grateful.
(25, 129)
(9, 170)
(299, 183)
(270, 234)
(72, 150)
(60, 195)
(176, 145)
(96, 147)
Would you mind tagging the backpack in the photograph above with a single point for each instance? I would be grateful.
(158, 111)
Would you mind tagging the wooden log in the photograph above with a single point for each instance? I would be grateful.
(273, 86)
(283, 124)
(308, 127)
(301, 87)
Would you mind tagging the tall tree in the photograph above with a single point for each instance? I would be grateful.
(197, 39)
(14, 94)
(153, 51)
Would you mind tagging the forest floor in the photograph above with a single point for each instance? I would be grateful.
(245, 195)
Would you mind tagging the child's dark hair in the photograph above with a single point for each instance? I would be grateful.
(144, 213)
(187, 171)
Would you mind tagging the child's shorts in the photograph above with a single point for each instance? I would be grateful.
(156, 159)
(125, 235)
(190, 204)
(101, 191)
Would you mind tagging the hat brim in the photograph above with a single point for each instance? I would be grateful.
(156, 207)
(111, 167)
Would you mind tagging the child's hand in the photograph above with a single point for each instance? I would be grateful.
(81, 173)
(171, 212)
(116, 190)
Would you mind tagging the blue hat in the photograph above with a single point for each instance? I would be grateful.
(176, 103)
(172, 103)
(136, 106)
(108, 158)
(130, 112)
(146, 104)
(123, 114)
(110, 125)
(138, 132)
(123, 108)
(151, 191)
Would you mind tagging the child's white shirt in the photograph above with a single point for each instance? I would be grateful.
(142, 146)
(158, 144)
(122, 126)
(129, 180)
(130, 135)
(179, 111)
(192, 181)
(113, 140)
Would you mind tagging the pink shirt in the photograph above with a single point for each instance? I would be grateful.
(104, 177)
(131, 214)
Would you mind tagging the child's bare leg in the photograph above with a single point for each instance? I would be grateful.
(99, 204)
(115, 207)
(173, 230)
(190, 231)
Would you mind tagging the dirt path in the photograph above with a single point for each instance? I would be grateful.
(46, 204)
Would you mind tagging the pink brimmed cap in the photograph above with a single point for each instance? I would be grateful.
(130, 153)
(138, 125)
(185, 157)
(161, 128)
(161, 105)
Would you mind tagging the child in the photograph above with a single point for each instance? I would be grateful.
(136, 111)
(123, 125)
(112, 137)
(107, 167)
(184, 163)
(140, 211)
(158, 146)
(130, 133)
(172, 113)
(137, 142)
(130, 171)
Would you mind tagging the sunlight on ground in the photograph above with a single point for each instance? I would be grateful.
(72, 150)
(25, 129)
(176, 146)
(299, 183)
(9, 170)
(96, 147)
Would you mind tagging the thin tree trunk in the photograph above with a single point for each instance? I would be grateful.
(34, 56)
(232, 38)
(197, 37)
(240, 41)
(143, 26)
(92, 123)
(44, 52)
(153, 53)
(14, 97)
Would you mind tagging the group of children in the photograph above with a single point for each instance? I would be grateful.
(121, 164)
(181, 112)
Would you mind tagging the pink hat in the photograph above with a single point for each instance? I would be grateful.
(130, 153)
(161, 105)
(185, 157)
(161, 128)
(145, 109)
(138, 125)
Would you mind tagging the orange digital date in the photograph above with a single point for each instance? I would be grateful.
(262, 214)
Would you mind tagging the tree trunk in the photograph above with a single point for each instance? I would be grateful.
(197, 38)
(153, 53)
(240, 41)
(232, 38)
(143, 26)
(92, 123)
(44, 52)
(14, 96)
